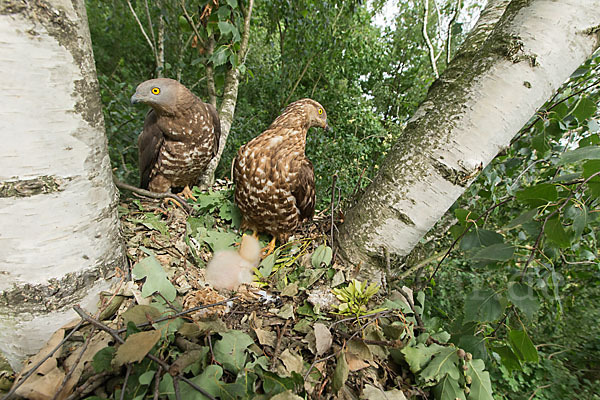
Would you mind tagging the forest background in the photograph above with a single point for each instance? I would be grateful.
(370, 64)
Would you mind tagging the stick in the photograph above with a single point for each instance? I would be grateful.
(152, 195)
(32, 370)
(152, 357)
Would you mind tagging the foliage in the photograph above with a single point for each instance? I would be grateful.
(520, 294)
(355, 297)
(527, 230)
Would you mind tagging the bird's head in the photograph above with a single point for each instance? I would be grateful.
(316, 113)
(161, 94)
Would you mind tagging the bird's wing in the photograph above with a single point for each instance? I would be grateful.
(304, 189)
(149, 143)
(212, 111)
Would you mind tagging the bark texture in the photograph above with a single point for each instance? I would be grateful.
(504, 73)
(59, 228)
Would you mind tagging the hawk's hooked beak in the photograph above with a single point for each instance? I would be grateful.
(328, 128)
(135, 99)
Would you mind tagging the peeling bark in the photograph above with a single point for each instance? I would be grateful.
(59, 228)
(507, 68)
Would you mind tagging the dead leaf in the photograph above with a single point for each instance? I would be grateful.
(338, 278)
(286, 312)
(323, 338)
(287, 395)
(136, 347)
(292, 361)
(140, 314)
(290, 290)
(355, 363)
(360, 349)
(266, 338)
(41, 386)
(373, 393)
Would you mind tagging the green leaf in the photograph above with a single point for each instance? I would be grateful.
(220, 240)
(232, 3)
(521, 219)
(483, 305)
(225, 27)
(523, 346)
(156, 278)
(103, 358)
(474, 345)
(146, 377)
(540, 144)
(340, 375)
(479, 238)
(266, 266)
(448, 389)
(153, 221)
(556, 233)
(230, 351)
(582, 153)
(322, 255)
(418, 356)
(538, 195)
(508, 358)
(584, 110)
(580, 222)
(524, 297)
(495, 252)
(273, 384)
(481, 387)
(220, 56)
(443, 363)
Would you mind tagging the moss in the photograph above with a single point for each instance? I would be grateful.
(31, 187)
(55, 294)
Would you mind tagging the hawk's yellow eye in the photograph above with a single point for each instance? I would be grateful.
(155, 90)
(320, 111)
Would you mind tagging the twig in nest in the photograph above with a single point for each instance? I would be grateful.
(152, 357)
(124, 387)
(386, 343)
(93, 383)
(176, 387)
(354, 335)
(333, 182)
(36, 366)
(412, 307)
(278, 344)
(157, 382)
(70, 373)
(153, 195)
(181, 313)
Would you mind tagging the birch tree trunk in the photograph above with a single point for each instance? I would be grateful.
(230, 93)
(59, 228)
(508, 67)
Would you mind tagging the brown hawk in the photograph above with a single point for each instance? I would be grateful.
(180, 136)
(274, 181)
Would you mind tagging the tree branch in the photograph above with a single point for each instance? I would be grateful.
(144, 33)
(427, 41)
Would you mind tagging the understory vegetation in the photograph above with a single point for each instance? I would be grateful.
(499, 300)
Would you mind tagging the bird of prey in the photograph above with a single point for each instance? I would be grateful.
(180, 137)
(274, 180)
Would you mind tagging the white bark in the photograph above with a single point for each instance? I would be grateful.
(230, 93)
(59, 228)
(471, 113)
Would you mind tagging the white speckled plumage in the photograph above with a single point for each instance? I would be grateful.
(274, 180)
